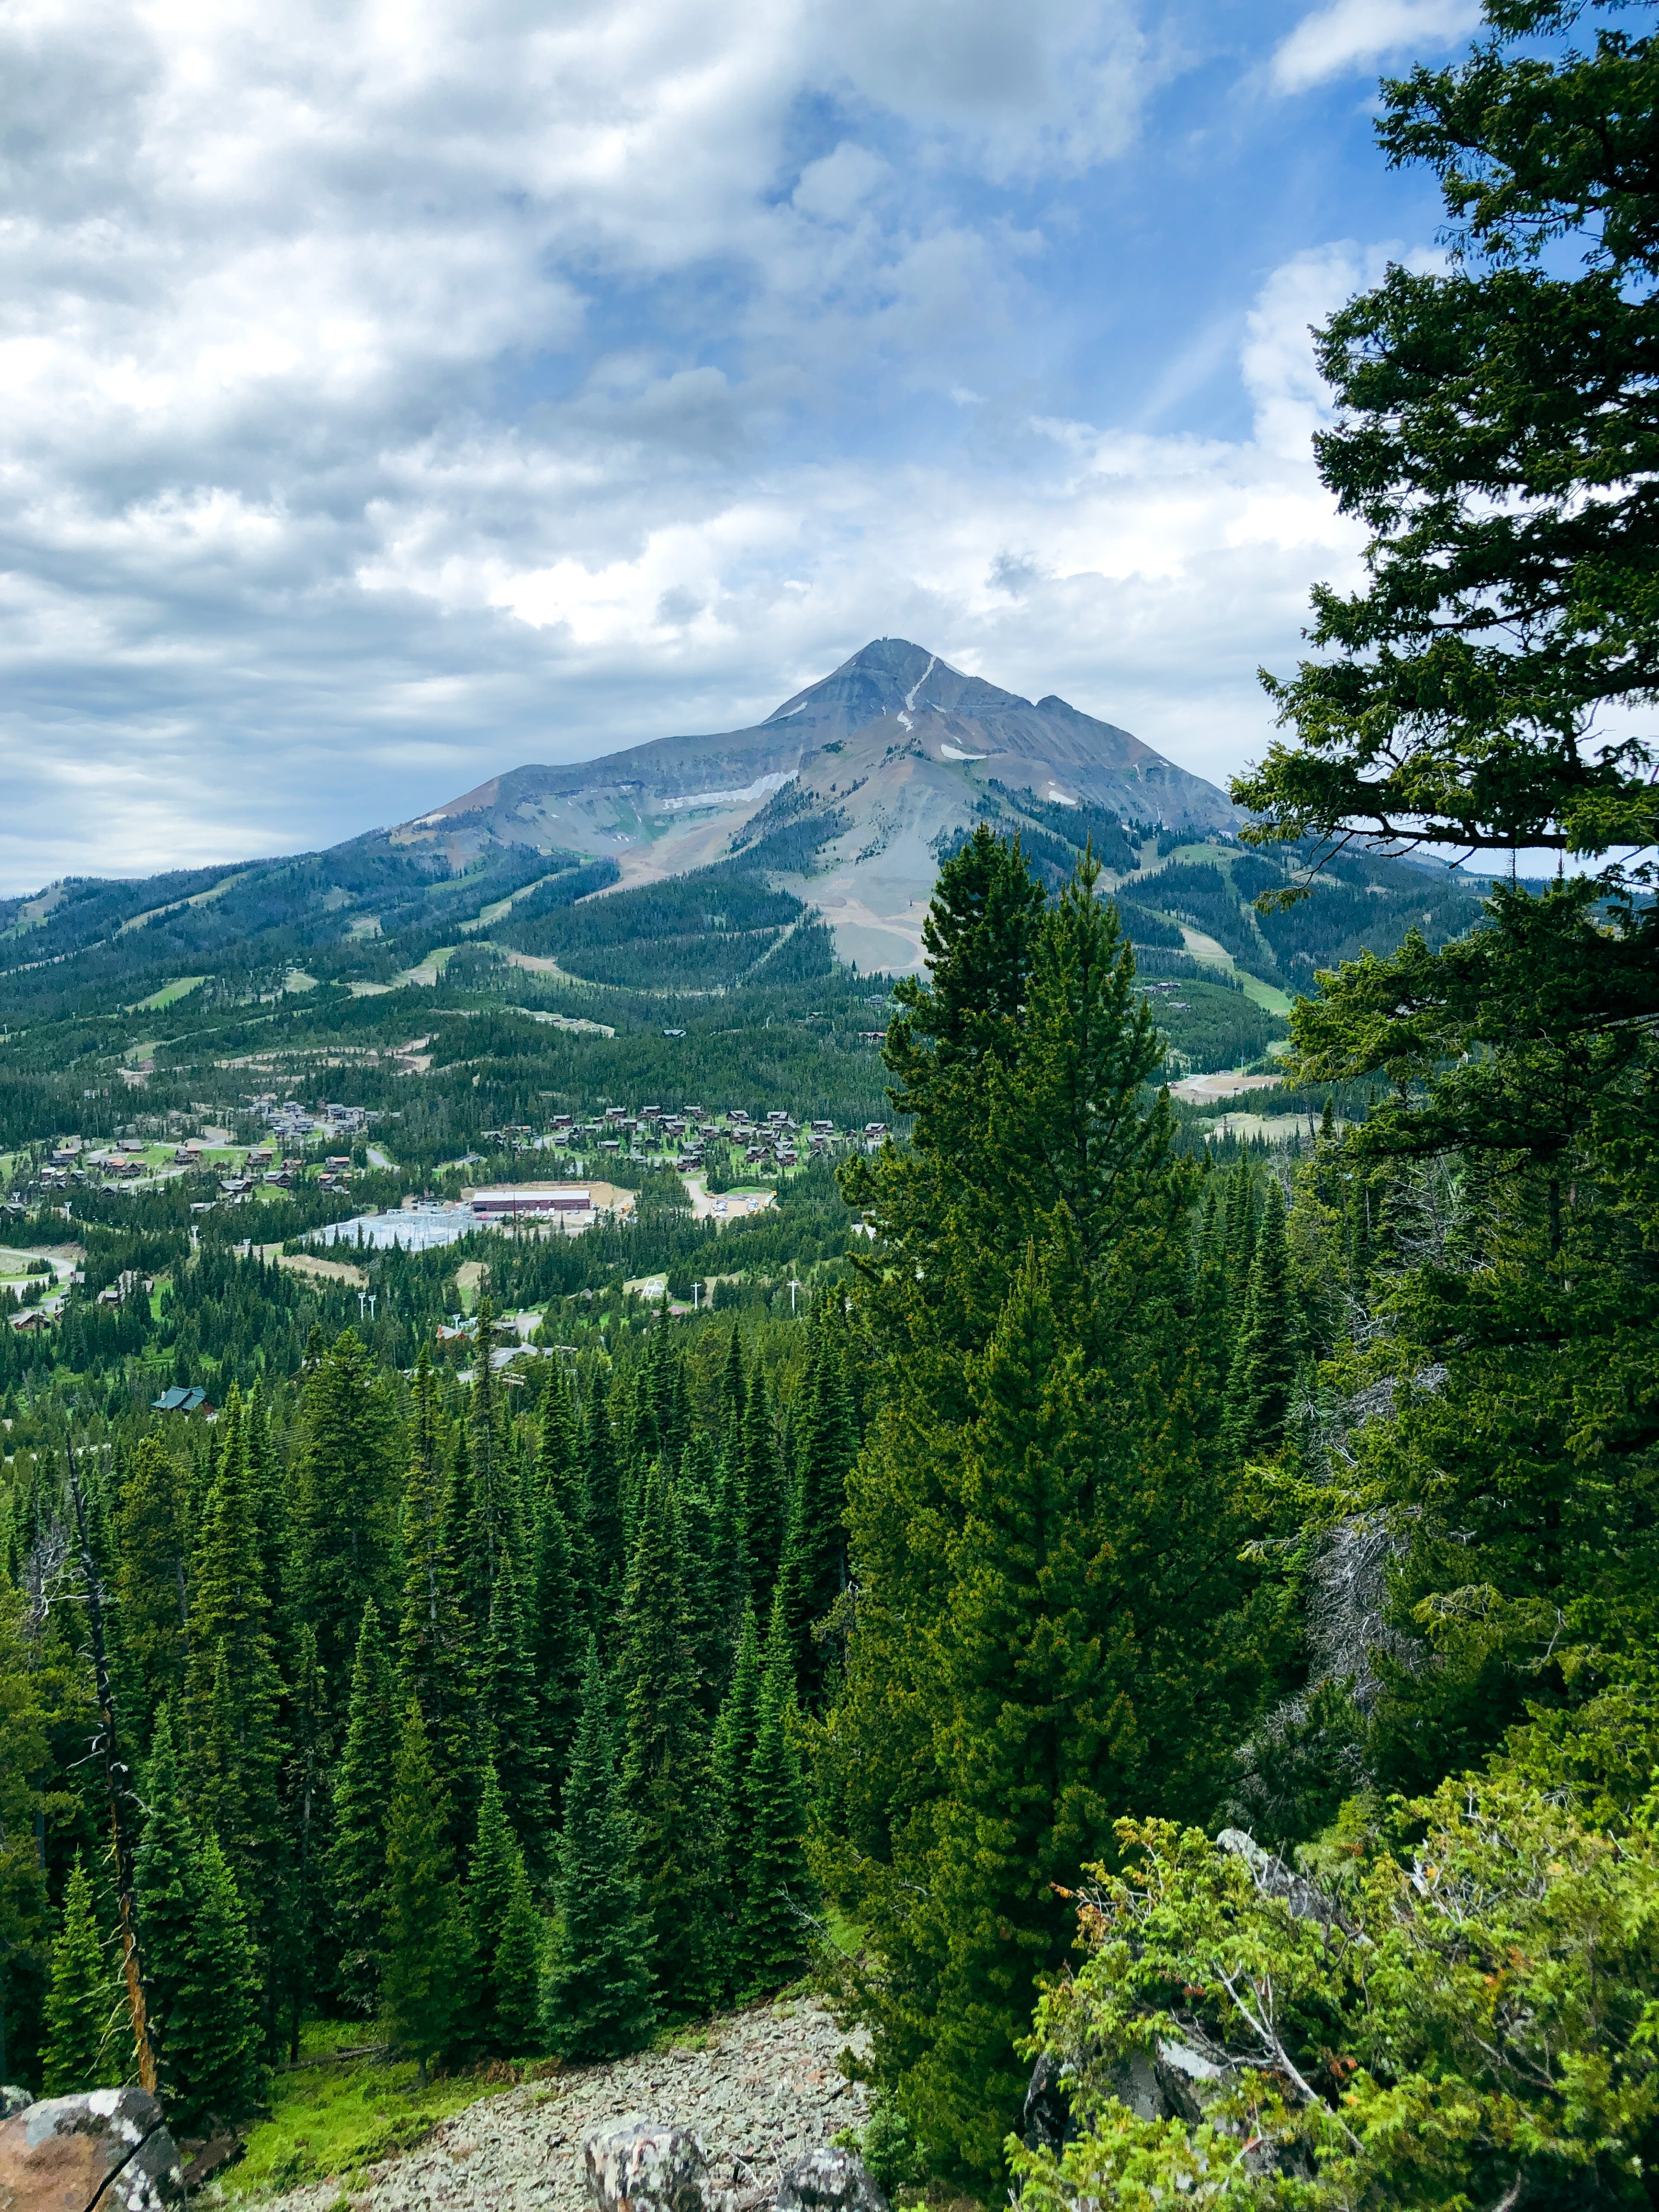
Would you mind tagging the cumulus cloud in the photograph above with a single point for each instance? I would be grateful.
(1354, 34)
(394, 394)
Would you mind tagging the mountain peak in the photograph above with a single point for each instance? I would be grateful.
(890, 656)
(891, 676)
(892, 754)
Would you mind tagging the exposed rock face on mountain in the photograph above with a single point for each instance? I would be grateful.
(899, 745)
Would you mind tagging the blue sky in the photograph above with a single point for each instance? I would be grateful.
(398, 392)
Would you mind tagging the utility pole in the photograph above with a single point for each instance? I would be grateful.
(115, 1784)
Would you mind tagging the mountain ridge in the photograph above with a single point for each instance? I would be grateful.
(895, 744)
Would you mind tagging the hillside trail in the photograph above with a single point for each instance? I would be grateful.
(764, 2089)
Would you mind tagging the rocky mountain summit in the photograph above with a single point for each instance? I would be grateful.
(763, 2092)
(898, 746)
(892, 703)
(840, 804)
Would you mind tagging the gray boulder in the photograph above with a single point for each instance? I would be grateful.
(829, 2180)
(1188, 2080)
(12, 2100)
(110, 2148)
(1049, 2122)
(645, 2165)
(1303, 1899)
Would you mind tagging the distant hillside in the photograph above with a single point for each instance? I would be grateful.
(753, 862)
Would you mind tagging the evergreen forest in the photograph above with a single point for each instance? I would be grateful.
(1162, 1630)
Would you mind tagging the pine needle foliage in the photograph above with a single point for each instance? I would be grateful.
(165, 1895)
(1054, 1620)
(597, 1999)
(558, 1630)
(814, 1572)
(215, 2033)
(665, 1776)
(426, 1956)
(506, 1930)
(778, 1894)
(152, 1606)
(363, 1791)
(82, 1998)
(345, 1503)
(433, 1665)
(233, 1693)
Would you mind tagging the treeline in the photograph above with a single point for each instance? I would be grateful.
(246, 926)
(480, 1718)
(94, 949)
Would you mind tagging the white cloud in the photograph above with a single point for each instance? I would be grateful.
(1048, 84)
(1352, 34)
(833, 189)
(396, 394)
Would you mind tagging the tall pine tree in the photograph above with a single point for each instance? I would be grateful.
(435, 1662)
(733, 1399)
(151, 1615)
(165, 1895)
(1054, 1620)
(596, 1998)
(815, 1555)
(707, 1625)
(343, 1516)
(1263, 1372)
(309, 1805)
(777, 1889)
(511, 1724)
(563, 1477)
(363, 1791)
(425, 1979)
(665, 1764)
(215, 2032)
(732, 1758)
(232, 1694)
(268, 1485)
(602, 1470)
(765, 1495)
(505, 1929)
(558, 1632)
(82, 1998)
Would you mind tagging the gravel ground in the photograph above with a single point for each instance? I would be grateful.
(765, 2091)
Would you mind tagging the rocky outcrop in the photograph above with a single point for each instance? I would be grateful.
(647, 2165)
(1049, 2121)
(1302, 1899)
(652, 2166)
(832, 2180)
(108, 2147)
